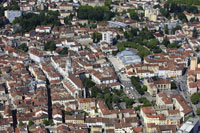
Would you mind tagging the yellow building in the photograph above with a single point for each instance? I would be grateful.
(74, 119)
(152, 14)
(87, 104)
(193, 63)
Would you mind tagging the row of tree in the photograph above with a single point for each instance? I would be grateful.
(45, 122)
(136, 83)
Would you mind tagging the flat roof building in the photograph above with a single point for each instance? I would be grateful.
(190, 126)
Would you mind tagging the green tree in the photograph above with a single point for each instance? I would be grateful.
(173, 85)
(173, 45)
(192, 20)
(198, 111)
(178, 27)
(165, 41)
(120, 46)
(182, 17)
(133, 14)
(13, 6)
(94, 91)
(94, 26)
(64, 51)
(108, 99)
(100, 95)
(108, 3)
(115, 99)
(136, 82)
(106, 90)
(195, 33)
(195, 98)
(114, 53)
(145, 101)
(51, 122)
(142, 50)
(88, 83)
(197, 50)
(153, 43)
(137, 108)
(23, 47)
(30, 123)
(144, 87)
(67, 20)
(45, 122)
(96, 36)
(188, 117)
(50, 46)
(68, 113)
(129, 102)
(1, 23)
(164, 12)
(1, 116)
(21, 123)
(157, 50)
(166, 29)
